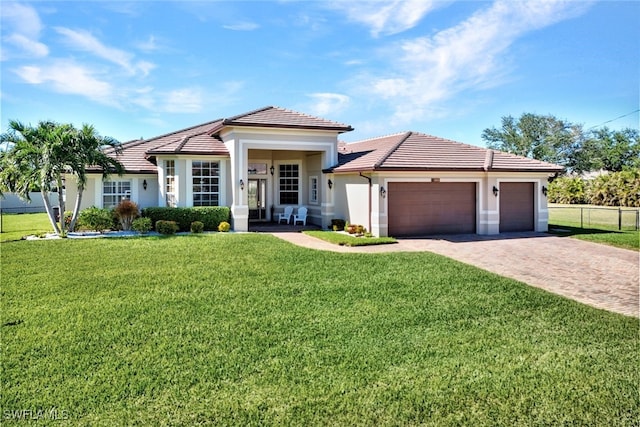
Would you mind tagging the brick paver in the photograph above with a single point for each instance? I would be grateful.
(595, 274)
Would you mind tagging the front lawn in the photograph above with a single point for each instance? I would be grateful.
(246, 329)
(17, 226)
(621, 239)
(344, 239)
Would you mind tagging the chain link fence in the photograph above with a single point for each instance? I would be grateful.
(589, 216)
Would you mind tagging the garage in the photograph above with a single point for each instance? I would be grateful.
(423, 208)
(516, 206)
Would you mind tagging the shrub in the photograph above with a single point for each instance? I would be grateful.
(141, 225)
(210, 216)
(567, 190)
(197, 227)
(96, 219)
(126, 211)
(337, 224)
(166, 227)
(224, 227)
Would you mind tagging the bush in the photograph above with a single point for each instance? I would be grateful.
(337, 224)
(611, 189)
(166, 227)
(96, 219)
(141, 225)
(567, 190)
(197, 227)
(224, 226)
(210, 216)
(126, 212)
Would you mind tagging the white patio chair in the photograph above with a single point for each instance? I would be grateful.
(301, 216)
(286, 215)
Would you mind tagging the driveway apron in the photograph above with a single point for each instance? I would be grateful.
(598, 275)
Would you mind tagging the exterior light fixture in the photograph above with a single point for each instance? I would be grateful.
(144, 184)
(241, 184)
(544, 190)
(495, 191)
(383, 192)
(272, 169)
(330, 184)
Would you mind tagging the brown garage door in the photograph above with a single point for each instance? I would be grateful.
(516, 206)
(422, 208)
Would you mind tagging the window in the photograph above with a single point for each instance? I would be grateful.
(313, 189)
(289, 176)
(115, 191)
(257, 169)
(206, 188)
(170, 182)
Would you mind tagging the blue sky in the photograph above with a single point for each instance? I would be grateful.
(451, 69)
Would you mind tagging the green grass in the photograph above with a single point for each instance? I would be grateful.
(16, 226)
(592, 217)
(348, 240)
(245, 329)
(621, 239)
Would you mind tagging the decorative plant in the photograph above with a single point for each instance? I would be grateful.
(141, 225)
(197, 227)
(337, 224)
(96, 219)
(126, 211)
(166, 227)
(224, 227)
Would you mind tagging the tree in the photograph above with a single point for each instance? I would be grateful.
(544, 138)
(90, 152)
(610, 150)
(557, 141)
(40, 156)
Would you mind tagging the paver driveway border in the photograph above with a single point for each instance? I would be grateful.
(602, 276)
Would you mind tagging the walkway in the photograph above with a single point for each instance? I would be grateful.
(599, 275)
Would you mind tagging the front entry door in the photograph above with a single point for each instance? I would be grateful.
(257, 199)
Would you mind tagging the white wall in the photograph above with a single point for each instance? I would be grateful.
(11, 203)
(350, 197)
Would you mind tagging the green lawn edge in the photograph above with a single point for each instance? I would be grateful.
(343, 239)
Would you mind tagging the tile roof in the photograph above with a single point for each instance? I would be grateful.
(137, 156)
(420, 152)
(283, 118)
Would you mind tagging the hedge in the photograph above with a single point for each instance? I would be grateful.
(210, 216)
(611, 189)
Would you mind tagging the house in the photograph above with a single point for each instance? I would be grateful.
(261, 161)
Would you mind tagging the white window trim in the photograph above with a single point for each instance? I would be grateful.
(277, 179)
(314, 200)
(190, 191)
(117, 181)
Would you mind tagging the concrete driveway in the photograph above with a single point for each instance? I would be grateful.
(599, 275)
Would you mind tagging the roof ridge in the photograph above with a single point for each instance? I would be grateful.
(390, 151)
(452, 140)
(374, 138)
(238, 116)
(182, 130)
(488, 160)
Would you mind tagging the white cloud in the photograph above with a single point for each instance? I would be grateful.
(387, 16)
(328, 103)
(70, 78)
(149, 45)
(470, 55)
(21, 28)
(21, 18)
(31, 48)
(186, 100)
(242, 26)
(85, 41)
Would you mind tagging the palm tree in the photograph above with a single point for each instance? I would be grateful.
(24, 164)
(90, 152)
(39, 157)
